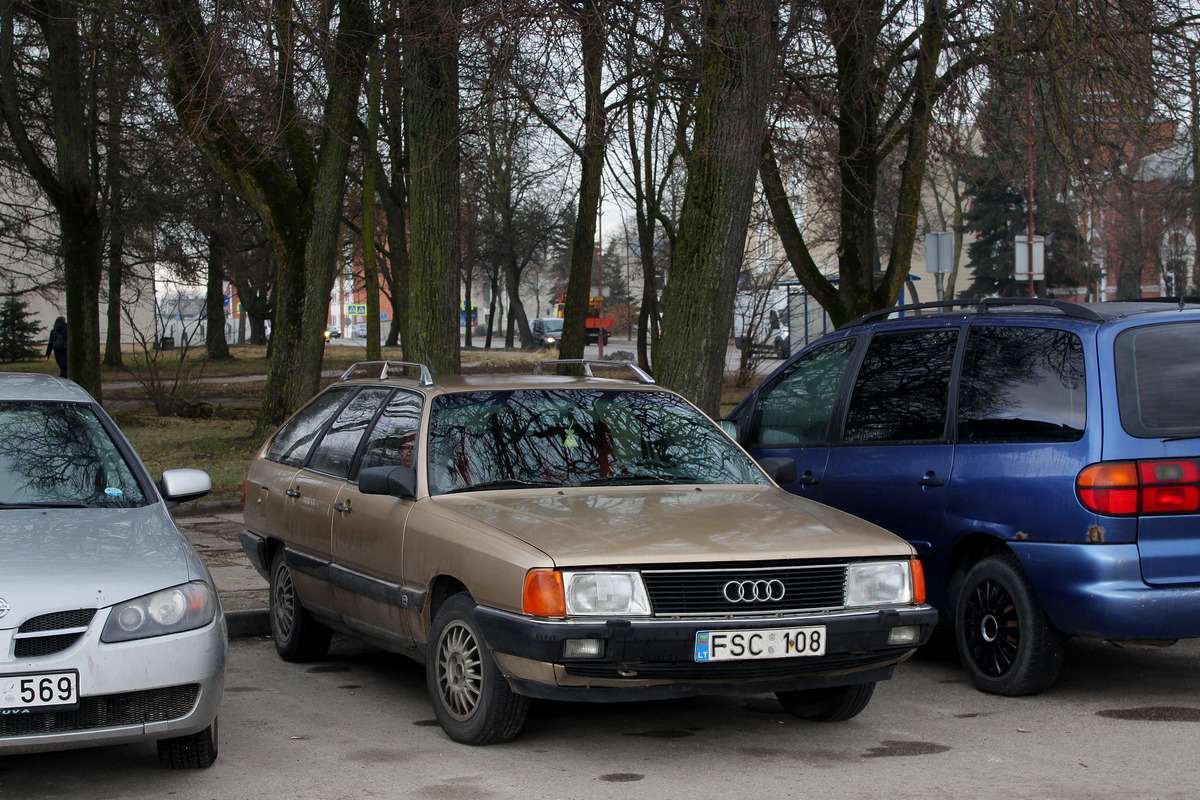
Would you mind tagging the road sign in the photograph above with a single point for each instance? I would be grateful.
(1021, 250)
(356, 309)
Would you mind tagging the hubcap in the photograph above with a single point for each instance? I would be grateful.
(992, 628)
(284, 602)
(459, 671)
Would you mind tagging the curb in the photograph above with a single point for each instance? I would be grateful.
(245, 624)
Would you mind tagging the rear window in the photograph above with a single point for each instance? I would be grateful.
(1158, 372)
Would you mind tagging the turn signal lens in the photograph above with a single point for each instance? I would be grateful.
(1109, 488)
(918, 580)
(544, 595)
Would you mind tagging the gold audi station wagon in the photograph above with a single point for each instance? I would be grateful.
(572, 538)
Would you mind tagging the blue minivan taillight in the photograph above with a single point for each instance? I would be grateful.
(1140, 487)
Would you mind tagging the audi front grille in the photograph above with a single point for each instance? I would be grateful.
(746, 590)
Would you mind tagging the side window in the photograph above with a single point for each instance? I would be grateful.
(336, 450)
(296, 437)
(795, 411)
(902, 390)
(393, 440)
(1022, 385)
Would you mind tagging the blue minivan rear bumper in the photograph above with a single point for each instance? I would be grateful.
(1097, 590)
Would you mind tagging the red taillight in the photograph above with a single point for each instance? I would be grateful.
(1141, 487)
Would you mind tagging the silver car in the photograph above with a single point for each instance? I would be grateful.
(111, 630)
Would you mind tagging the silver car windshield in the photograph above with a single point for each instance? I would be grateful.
(572, 437)
(60, 455)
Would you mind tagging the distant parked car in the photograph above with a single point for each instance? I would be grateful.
(547, 332)
(110, 626)
(358, 330)
(538, 536)
(1043, 457)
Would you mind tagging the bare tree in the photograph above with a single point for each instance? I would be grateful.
(295, 179)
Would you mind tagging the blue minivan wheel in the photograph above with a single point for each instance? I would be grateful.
(1005, 640)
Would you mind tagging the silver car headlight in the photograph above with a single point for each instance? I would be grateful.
(606, 593)
(879, 583)
(180, 608)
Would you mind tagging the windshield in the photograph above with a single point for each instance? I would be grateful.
(552, 325)
(59, 454)
(573, 437)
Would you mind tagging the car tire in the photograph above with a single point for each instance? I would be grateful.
(194, 751)
(827, 705)
(298, 637)
(1007, 644)
(471, 698)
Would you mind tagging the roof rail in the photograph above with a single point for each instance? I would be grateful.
(586, 363)
(982, 306)
(378, 370)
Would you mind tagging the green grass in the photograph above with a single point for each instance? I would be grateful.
(222, 446)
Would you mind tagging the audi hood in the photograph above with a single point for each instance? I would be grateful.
(677, 524)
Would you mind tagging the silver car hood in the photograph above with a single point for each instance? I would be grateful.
(64, 558)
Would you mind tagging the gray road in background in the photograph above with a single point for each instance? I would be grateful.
(1120, 724)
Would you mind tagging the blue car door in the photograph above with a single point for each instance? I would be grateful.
(891, 463)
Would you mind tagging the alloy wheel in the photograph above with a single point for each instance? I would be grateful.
(459, 670)
(285, 603)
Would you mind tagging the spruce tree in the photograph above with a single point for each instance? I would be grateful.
(18, 333)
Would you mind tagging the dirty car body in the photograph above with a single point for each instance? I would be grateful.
(567, 538)
(110, 626)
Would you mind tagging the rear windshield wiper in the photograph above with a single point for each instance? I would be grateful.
(504, 483)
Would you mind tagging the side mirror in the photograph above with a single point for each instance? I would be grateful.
(730, 427)
(180, 485)
(395, 481)
(780, 469)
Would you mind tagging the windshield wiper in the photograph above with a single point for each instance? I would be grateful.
(504, 483)
(639, 477)
(56, 504)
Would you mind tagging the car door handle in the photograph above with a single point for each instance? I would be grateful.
(292, 493)
(931, 479)
(340, 507)
(808, 479)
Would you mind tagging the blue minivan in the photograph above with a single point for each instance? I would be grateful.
(1042, 456)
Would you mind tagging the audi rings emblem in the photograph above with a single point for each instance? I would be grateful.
(762, 591)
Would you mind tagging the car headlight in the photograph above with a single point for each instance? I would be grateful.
(550, 593)
(180, 608)
(879, 583)
(606, 593)
(550, 340)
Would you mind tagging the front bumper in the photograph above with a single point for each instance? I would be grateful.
(142, 690)
(646, 659)
(1097, 590)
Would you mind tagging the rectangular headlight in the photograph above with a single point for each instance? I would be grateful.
(879, 583)
(606, 593)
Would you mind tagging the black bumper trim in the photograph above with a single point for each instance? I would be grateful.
(641, 650)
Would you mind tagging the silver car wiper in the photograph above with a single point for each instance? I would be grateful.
(54, 504)
(639, 477)
(504, 483)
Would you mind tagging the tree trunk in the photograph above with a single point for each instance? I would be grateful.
(116, 273)
(432, 113)
(737, 76)
(591, 171)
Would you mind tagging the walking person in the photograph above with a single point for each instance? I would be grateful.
(58, 345)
